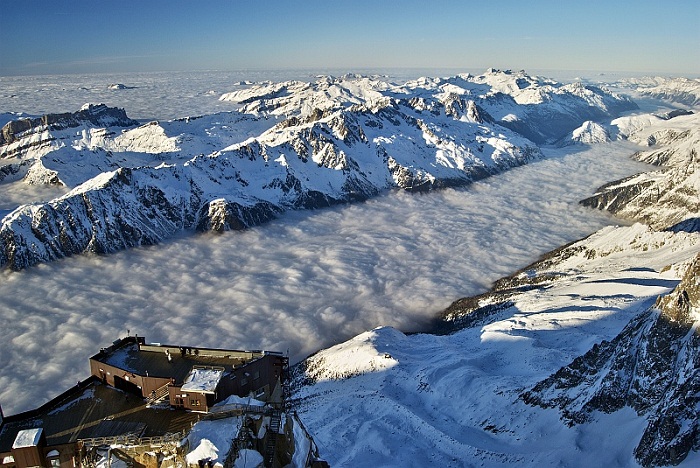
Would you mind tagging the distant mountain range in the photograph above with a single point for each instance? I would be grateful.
(292, 145)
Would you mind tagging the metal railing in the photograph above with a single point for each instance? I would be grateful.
(313, 448)
(158, 394)
(238, 408)
(131, 439)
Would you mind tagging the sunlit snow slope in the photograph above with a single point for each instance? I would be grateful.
(582, 359)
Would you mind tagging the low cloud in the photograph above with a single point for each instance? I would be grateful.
(300, 283)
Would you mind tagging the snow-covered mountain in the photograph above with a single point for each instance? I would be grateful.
(589, 357)
(670, 197)
(685, 91)
(652, 366)
(292, 145)
(454, 398)
(587, 134)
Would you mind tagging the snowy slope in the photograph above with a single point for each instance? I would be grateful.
(387, 399)
(652, 366)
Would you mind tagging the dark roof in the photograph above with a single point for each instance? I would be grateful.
(95, 410)
(152, 359)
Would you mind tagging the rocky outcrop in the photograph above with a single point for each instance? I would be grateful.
(11, 172)
(652, 366)
(98, 115)
(220, 215)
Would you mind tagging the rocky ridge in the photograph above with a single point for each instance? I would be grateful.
(18, 136)
(653, 365)
(668, 198)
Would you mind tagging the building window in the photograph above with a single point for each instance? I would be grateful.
(194, 402)
(256, 375)
(52, 457)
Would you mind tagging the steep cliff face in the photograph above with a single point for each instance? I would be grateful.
(652, 366)
(18, 136)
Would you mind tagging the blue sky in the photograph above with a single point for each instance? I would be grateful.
(80, 36)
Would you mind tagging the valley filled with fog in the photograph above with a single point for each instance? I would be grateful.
(301, 282)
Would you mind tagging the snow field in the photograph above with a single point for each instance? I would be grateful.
(452, 400)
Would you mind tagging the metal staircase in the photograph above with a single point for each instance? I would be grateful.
(278, 401)
(158, 395)
(273, 430)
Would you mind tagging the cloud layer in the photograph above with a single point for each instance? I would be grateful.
(305, 281)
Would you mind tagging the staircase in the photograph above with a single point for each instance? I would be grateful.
(240, 442)
(158, 395)
(273, 430)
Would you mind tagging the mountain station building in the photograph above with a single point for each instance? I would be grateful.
(137, 391)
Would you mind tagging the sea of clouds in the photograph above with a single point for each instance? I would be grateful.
(305, 281)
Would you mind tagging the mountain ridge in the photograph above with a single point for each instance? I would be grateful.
(293, 145)
(604, 331)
